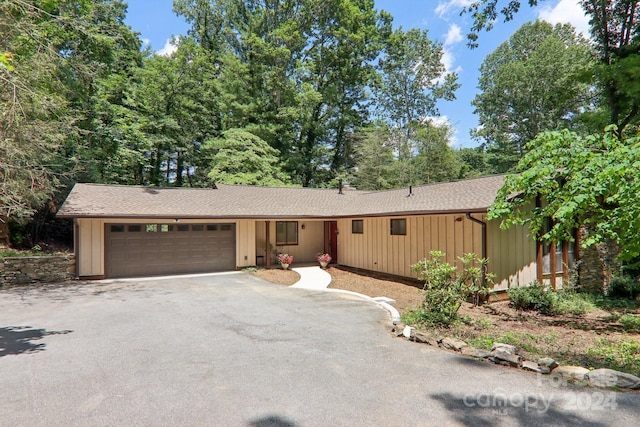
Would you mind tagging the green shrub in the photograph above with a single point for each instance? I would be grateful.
(445, 289)
(623, 355)
(624, 287)
(630, 323)
(573, 302)
(534, 297)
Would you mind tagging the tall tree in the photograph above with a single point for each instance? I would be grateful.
(616, 36)
(239, 157)
(412, 80)
(294, 73)
(35, 119)
(170, 109)
(375, 162)
(435, 160)
(473, 162)
(530, 84)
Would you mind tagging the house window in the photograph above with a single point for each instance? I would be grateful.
(197, 227)
(151, 228)
(286, 233)
(398, 227)
(357, 226)
(546, 252)
(165, 228)
(212, 227)
(117, 228)
(135, 228)
(226, 227)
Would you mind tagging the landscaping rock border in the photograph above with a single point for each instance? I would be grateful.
(506, 354)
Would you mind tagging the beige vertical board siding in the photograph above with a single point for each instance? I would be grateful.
(310, 240)
(467, 237)
(260, 240)
(245, 242)
(421, 239)
(377, 250)
(433, 226)
(91, 247)
(512, 255)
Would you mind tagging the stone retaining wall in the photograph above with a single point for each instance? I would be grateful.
(16, 271)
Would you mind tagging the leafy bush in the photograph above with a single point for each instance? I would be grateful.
(624, 287)
(445, 289)
(534, 297)
(574, 303)
(539, 298)
(622, 355)
(13, 253)
(630, 323)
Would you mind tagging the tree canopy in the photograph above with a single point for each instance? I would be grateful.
(531, 83)
(616, 38)
(591, 181)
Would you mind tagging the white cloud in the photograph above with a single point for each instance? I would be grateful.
(448, 60)
(145, 42)
(447, 7)
(454, 35)
(170, 46)
(439, 121)
(566, 11)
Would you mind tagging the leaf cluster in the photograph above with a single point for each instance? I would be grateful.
(446, 289)
(591, 181)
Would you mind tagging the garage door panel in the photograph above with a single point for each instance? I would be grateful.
(152, 249)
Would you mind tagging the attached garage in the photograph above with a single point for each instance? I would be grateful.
(155, 249)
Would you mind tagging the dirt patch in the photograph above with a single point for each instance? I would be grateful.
(278, 276)
(405, 292)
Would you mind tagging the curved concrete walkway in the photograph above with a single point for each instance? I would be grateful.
(317, 279)
(313, 278)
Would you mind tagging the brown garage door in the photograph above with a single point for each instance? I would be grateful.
(153, 249)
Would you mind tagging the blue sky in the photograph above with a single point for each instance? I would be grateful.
(156, 22)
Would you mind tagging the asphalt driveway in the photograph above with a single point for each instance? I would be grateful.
(235, 350)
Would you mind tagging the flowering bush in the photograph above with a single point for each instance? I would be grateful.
(324, 258)
(285, 259)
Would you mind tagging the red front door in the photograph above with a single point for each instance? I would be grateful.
(333, 241)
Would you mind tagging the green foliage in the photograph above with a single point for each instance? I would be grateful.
(435, 160)
(35, 117)
(473, 162)
(615, 42)
(630, 323)
(574, 303)
(534, 297)
(412, 78)
(539, 298)
(528, 85)
(623, 355)
(14, 253)
(374, 159)
(624, 287)
(240, 157)
(591, 181)
(446, 289)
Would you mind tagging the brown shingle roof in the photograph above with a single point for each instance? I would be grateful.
(241, 201)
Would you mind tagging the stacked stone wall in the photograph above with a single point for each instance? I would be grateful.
(598, 264)
(17, 271)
